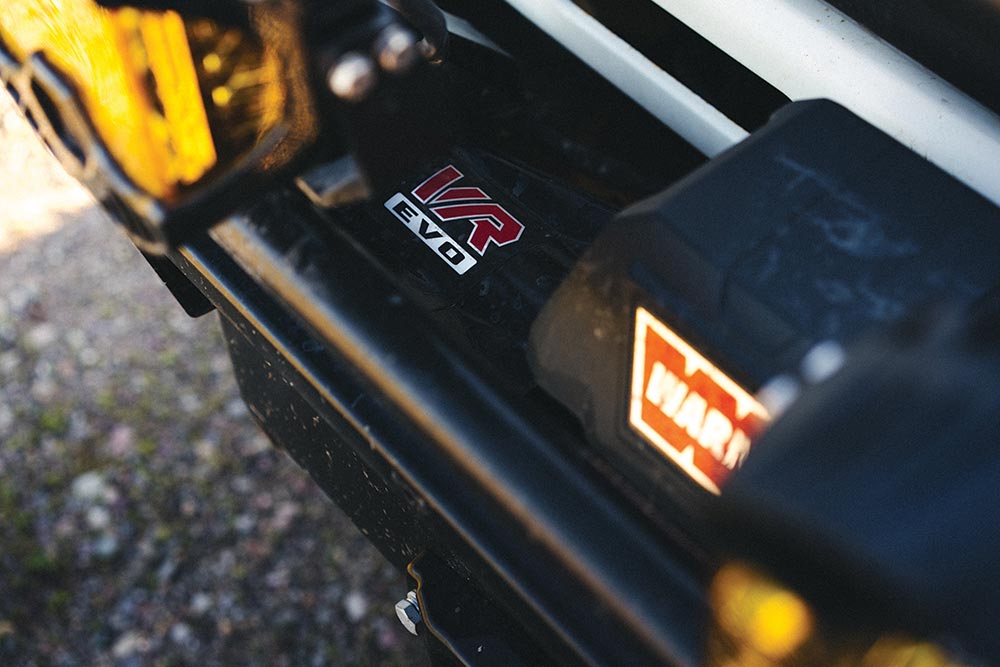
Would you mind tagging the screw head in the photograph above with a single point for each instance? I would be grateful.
(397, 49)
(823, 361)
(353, 77)
(408, 612)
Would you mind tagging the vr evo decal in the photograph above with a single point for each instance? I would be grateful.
(689, 409)
(444, 202)
(436, 239)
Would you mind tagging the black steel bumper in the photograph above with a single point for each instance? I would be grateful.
(432, 461)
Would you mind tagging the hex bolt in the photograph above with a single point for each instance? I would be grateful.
(779, 394)
(408, 611)
(396, 49)
(823, 361)
(353, 77)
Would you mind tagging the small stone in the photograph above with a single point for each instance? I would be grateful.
(20, 297)
(6, 418)
(244, 524)
(180, 323)
(205, 449)
(121, 441)
(41, 336)
(76, 339)
(222, 569)
(7, 331)
(79, 426)
(89, 357)
(167, 570)
(220, 364)
(189, 403)
(90, 486)
(180, 633)
(263, 501)
(242, 484)
(284, 515)
(64, 528)
(356, 606)
(98, 518)
(44, 389)
(256, 444)
(236, 409)
(278, 578)
(106, 546)
(200, 603)
(9, 361)
(138, 383)
(129, 644)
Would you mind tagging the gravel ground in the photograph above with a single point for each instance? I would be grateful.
(144, 520)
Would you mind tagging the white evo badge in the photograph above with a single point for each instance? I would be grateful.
(443, 202)
(436, 239)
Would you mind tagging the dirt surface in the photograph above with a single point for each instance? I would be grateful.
(144, 520)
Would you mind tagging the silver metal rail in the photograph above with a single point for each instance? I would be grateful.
(697, 121)
(806, 49)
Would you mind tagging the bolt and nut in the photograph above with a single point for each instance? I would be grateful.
(353, 77)
(396, 49)
(408, 611)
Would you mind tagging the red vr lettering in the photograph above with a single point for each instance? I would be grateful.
(491, 222)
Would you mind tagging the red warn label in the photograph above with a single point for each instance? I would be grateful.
(689, 409)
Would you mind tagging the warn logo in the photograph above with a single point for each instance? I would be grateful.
(445, 202)
(689, 409)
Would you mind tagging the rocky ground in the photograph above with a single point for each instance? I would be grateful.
(144, 520)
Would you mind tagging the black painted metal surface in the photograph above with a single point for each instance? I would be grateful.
(817, 229)
(593, 581)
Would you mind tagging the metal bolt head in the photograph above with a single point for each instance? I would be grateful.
(408, 612)
(779, 394)
(396, 49)
(429, 52)
(353, 77)
(823, 362)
